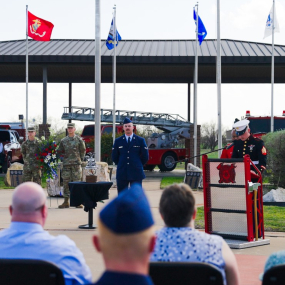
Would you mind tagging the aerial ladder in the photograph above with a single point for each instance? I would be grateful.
(162, 146)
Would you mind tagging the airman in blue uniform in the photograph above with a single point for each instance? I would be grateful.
(126, 239)
(130, 153)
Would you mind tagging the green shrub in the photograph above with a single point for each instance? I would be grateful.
(275, 145)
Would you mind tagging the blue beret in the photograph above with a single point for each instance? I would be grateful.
(127, 121)
(128, 213)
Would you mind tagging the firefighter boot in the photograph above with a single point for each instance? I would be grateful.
(65, 204)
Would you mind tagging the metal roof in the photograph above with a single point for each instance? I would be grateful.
(141, 61)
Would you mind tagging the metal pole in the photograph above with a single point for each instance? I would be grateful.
(272, 70)
(219, 81)
(69, 98)
(97, 140)
(44, 95)
(189, 102)
(27, 73)
(114, 74)
(195, 89)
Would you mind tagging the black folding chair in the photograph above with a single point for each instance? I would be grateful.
(29, 272)
(274, 275)
(184, 273)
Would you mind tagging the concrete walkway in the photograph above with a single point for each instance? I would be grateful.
(66, 221)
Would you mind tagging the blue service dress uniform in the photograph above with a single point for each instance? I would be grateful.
(129, 158)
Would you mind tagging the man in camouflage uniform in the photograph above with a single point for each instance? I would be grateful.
(29, 149)
(72, 148)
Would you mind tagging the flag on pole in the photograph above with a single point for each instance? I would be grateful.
(202, 32)
(269, 22)
(110, 39)
(39, 29)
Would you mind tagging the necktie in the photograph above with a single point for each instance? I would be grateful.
(129, 140)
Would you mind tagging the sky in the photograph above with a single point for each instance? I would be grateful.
(144, 19)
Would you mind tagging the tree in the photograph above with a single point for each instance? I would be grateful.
(209, 136)
(274, 143)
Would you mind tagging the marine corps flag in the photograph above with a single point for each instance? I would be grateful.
(39, 29)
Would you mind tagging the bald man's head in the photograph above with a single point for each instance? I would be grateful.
(29, 203)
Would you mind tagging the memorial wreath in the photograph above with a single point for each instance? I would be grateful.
(48, 157)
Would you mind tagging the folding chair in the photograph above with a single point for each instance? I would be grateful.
(274, 275)
(29, 272)
(184, 273)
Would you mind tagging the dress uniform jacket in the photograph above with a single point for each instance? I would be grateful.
(130, 158)
(255, 148)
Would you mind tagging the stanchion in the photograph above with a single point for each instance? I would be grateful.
(255, 213)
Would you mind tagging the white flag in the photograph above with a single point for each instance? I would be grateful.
(269, 22)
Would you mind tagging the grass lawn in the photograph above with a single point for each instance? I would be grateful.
(166, 181)
(3, 186)
(273, 218)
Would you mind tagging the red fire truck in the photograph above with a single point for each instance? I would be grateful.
(163, 150)
(261, 125)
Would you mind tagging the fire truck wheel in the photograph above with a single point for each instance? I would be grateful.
(149, 167)
(167, 162)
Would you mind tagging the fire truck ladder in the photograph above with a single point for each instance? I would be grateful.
(163, 121)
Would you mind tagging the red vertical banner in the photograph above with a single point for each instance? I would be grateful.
(39, 29)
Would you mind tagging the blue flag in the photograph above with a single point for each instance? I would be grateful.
(202, 32)
(110, 39)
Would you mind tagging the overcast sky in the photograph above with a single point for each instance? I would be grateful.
(145, 19)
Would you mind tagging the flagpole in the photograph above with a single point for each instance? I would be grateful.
(219, 81)
(27, 72)
(195, 89)
(272, 69)
(114, 73)
(97, 141)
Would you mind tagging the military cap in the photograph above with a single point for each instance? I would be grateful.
(127, 121)
(71, 125)
(241, 127)
(128, 213)
(31, 129)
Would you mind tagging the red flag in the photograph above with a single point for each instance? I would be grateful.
(39, 29)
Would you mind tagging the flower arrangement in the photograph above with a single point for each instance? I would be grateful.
(48, 157)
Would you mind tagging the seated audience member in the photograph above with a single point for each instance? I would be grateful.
(276, 258)
(178, 241)
(26, 238)
(126, 238)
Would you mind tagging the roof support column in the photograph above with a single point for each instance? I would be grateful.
(189, 102)
(69, 98)
(44, 95)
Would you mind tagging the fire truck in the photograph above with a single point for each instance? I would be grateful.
(163, 150)
(260, 126)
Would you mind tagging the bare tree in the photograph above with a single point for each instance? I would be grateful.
(209, 136)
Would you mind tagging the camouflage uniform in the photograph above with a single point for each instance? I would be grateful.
(73, 151)
(31, 166)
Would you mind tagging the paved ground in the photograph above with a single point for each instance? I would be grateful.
(250, 261)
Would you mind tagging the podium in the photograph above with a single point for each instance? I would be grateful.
(228, 203)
